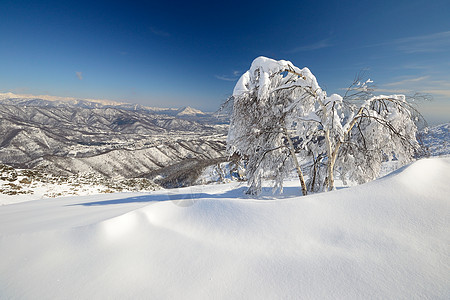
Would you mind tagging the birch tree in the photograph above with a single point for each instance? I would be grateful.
(281, 114)
(356, 139)
(267, 101)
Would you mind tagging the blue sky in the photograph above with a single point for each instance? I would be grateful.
(172, 54)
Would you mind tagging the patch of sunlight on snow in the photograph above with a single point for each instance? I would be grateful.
(424, 171)
(118, 227)
(161, 213)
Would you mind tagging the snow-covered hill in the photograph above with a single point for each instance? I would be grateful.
(70, 136)
(388, 239)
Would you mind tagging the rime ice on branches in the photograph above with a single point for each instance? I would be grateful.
(281, 116)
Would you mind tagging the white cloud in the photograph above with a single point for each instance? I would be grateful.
(430, 43)
(441, 92)
(234, 77)
(392, 91)
(407, 81)
(438, 89)
(435, 42)
(225, 78)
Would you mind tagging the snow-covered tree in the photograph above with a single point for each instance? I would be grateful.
(267, 102)
(275, 103)
(355, 139)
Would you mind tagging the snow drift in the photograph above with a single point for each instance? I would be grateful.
(385, 239)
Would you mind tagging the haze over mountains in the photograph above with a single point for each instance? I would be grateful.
(71, 136)
(55, 101)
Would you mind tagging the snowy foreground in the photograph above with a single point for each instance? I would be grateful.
(387, 239)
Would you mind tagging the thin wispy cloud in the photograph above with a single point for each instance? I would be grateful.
(314, 46)
(392, 91)
(438, 89)
(415, 66)
(441, 83)
(440, 92)
(225, 78)
(159, 32)
(435, 42)
(233, 77)
(79, 75)
(408, 81)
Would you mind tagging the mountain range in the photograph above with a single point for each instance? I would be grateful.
(67, 136)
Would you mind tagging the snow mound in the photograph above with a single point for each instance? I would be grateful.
(385, 239)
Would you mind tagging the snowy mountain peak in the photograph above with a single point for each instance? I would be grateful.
(189, 111)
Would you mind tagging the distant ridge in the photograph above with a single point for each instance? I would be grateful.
(47, 100)
(72, 100)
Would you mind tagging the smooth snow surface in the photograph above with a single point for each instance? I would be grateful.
(388, 239)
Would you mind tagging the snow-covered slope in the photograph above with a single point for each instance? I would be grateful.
(437, 139)
(108, 141)
(388, 239)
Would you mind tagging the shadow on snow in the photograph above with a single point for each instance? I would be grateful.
(194, 193)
